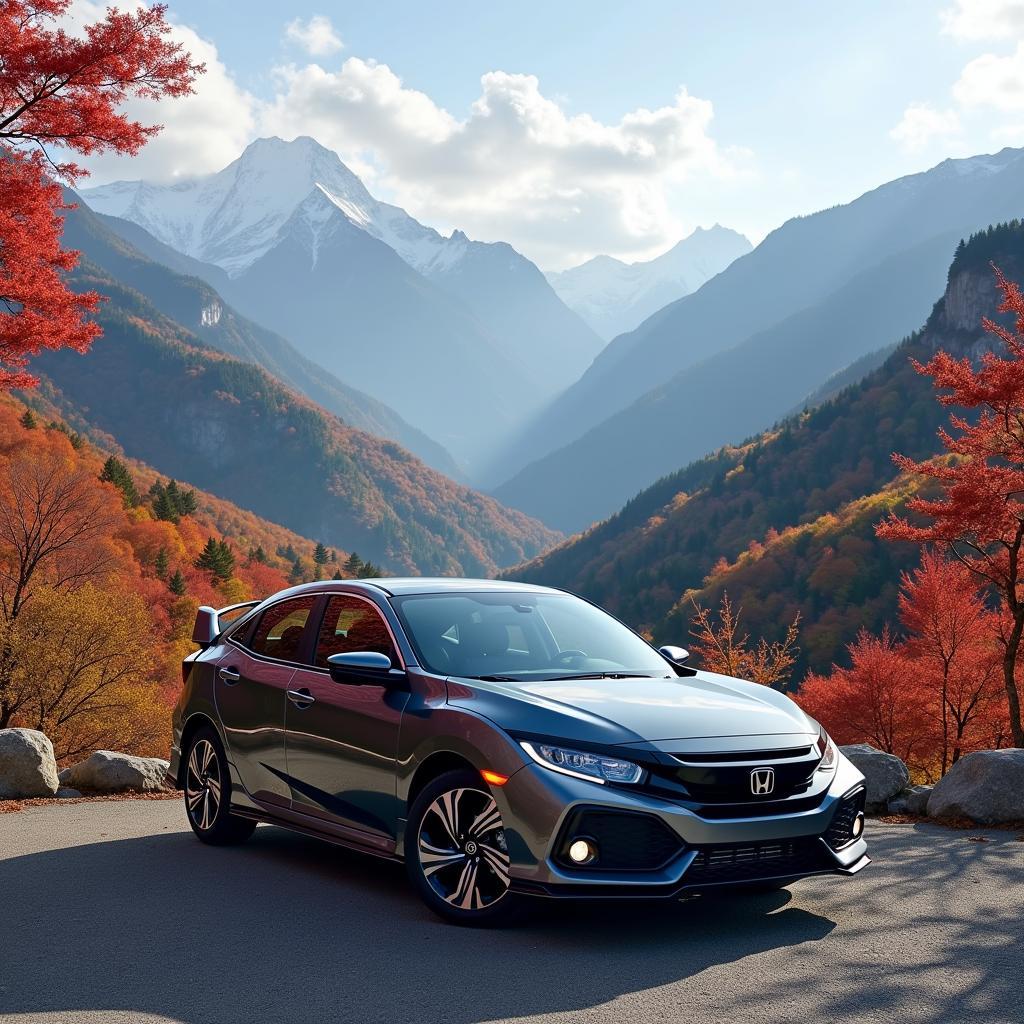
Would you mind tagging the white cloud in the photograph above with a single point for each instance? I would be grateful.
(921, 124)
(518, 166)
(201, 132)
(316, 36)
(992, 81)
(969, 20)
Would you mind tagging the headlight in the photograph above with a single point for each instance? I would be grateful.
(583, 765)
(828, 751)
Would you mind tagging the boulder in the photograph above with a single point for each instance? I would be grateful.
(106, 771)
(884, 774)
(64, 793)
(912, 800)
(986, 786)
(27, 765)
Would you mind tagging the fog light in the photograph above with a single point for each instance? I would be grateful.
(582, 851)
(858, 826)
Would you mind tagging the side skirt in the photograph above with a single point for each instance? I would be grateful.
(338, 835)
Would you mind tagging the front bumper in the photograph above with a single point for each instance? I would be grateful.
(539, 806)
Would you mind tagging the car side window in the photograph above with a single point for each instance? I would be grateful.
(278, 634)
(351, 624)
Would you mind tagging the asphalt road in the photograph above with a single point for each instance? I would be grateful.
(113, 912)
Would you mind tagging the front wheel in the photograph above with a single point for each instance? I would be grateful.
(208, 793)
(456, 854)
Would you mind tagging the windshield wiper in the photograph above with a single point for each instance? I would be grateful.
(603, 675)
(495, 679)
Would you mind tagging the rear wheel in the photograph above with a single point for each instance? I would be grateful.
(456, 854)
(208, 793)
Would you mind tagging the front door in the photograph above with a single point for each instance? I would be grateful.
(253, 678)
(343, 742)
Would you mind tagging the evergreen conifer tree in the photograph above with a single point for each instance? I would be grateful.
(176, 584)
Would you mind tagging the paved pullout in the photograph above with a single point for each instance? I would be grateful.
(113, 912)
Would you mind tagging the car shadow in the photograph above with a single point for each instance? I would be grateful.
(285, 928)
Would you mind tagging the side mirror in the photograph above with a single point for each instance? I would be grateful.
(677, 655)
(359, 667)
(205, 631)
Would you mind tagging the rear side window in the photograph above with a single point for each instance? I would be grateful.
(278, 633)
(350, 625)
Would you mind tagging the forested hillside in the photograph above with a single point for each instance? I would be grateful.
(786, 521)
(231, 428)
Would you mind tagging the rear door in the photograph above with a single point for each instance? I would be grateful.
(343, 739)
(253, 679)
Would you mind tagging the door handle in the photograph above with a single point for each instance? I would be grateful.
(229, 675)
(301, 698)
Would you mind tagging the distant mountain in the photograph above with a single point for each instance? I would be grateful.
(229, 427)
(194, 304)
(615, 297)
(785, 522)
(465, 339)
(739, 353)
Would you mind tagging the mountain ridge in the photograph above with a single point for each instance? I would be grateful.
(806, 263)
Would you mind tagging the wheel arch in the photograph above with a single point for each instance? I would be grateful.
(193, 724)
(432, 767)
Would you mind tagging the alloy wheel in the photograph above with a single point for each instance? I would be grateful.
(203, 785)
(462, 849)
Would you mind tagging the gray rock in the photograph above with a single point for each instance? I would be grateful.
(106, 771)
(986, 786)
(884, 774)
(63, 775)
(64, 793)
(27, 765)
(912, 800)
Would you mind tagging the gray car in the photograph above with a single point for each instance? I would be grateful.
(506, 741)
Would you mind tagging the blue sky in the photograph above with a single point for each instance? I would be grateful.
(788, 107)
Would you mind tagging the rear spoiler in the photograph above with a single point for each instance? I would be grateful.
(208, 625)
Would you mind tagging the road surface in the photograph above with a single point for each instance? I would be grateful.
(113, 912)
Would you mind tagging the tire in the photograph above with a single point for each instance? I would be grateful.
(208, 793)
(455, 852)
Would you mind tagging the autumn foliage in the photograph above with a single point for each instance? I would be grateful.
(92, 631)
(61, 94)
(931, 695)
(979, 515)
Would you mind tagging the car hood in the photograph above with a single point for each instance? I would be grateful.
(635, 710)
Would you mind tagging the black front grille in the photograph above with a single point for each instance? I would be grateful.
(757, 756)
(746, 863)
(840, 831)
(625, 840)
(726, 777)
(758, 809)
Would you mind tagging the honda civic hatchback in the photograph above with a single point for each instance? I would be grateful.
(505, 741)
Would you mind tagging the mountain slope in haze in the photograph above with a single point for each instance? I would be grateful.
(731, 395)
(616, 297)
(194, 304)
(230, 428)
(797, 267)
(367, 285)
(785, 522)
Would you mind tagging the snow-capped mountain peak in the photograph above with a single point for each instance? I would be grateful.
(615, 297)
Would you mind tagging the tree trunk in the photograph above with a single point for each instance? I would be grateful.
(1010, 680)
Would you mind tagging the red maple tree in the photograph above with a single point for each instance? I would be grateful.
(953, 641)
(979, 516)
(876, 700)
(61, 94)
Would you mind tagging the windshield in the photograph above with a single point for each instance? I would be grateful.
(522, 636)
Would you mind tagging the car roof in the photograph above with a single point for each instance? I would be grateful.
(453, 584)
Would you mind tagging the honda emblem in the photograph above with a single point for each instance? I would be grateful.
(762, 781)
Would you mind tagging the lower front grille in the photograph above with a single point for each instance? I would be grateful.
(625, 840)
(743, 863)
